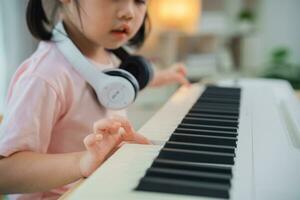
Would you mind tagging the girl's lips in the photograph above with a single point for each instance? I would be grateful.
(121, 32)
(122, 28)
(119, 35)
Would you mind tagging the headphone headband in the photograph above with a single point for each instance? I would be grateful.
(73, 55)
(113, 92)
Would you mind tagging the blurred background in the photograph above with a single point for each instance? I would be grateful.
(216, 39)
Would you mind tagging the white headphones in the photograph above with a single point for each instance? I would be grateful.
(115, 88)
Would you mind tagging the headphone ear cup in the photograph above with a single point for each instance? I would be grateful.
(140, 68)
(126, 75)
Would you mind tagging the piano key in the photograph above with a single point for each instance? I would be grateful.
(212, 108)
(218, 100)
(237, 103)
(220, 94)
(214, 112)
(203, 131)
(182, 174)
(210, 116)
(222, 90)
(196, 156)
(206, 121)
(184, 187)
(203, 139)
(207, 127)
(192, 166)
(224, 96)
(216, 107)
(200, 147)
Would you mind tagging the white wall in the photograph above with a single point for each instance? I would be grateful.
(15, 41)
(2, 66)
(279, 25)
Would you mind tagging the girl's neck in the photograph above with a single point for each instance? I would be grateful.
(87, 47)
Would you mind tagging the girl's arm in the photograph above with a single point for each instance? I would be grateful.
(175, 74)
(26, 172)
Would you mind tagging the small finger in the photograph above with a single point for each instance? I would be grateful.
(182, 69)
(100, 126)
(124, 123)
(104, 126)
(122, 133)
(114, 127)
(98, 137)
(181, 79)
(91, 139)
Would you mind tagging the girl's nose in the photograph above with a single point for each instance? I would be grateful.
(126, 12)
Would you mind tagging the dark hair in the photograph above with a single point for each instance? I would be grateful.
(41, 26)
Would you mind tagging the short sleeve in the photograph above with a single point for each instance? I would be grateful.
(32, 110)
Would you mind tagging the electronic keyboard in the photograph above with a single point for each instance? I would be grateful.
(238, 139)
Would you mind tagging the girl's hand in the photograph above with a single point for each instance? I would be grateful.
(175, 74)
(108, 134)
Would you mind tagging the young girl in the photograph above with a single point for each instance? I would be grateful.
(54, 130)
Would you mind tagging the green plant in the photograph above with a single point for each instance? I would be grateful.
(246, 15)
(280, 67)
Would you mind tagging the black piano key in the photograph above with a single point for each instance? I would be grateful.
(207, 127)
(200, 147)
(181, 174)
(194, 120)
(218, 100)
(221, 93)
(202, 167)
(196, 156)
(217, 104)
(216, 108)
(205, 132)
(155, 184)
(203, 139)
(214, 112)
(221, 96)
(222, 90)
(212, 87)
(211, 116)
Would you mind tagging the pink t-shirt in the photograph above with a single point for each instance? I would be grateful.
(50, 109)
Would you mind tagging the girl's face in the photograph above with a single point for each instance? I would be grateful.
(106, 23)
